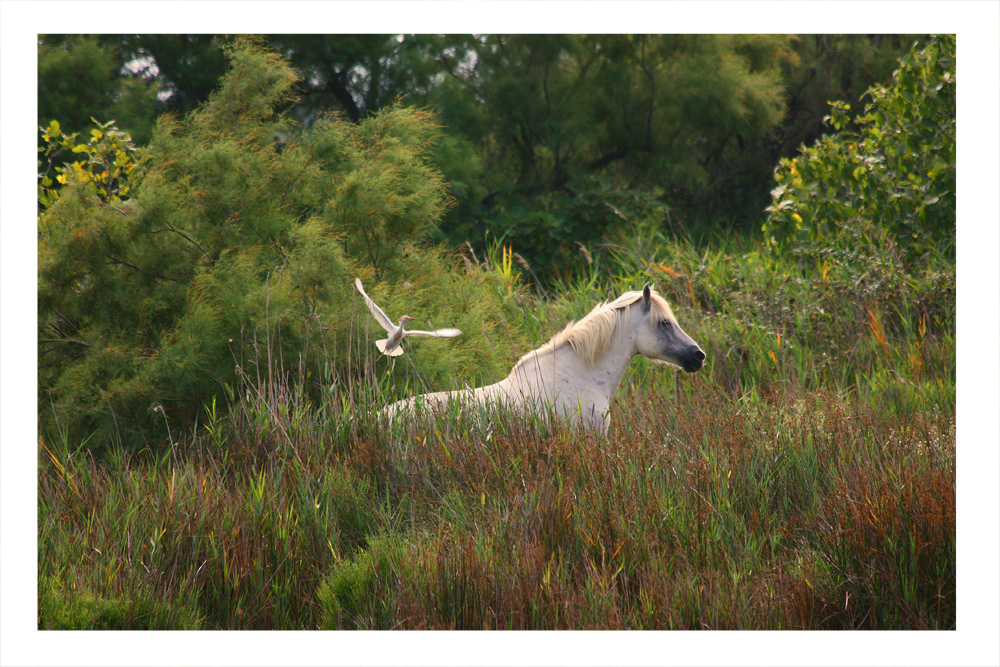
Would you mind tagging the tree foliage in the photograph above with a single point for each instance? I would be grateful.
(885, 179)
(832, 67)
(107, 161)
(237, 250)
(82, 77)
(577, 132)
(548, 141)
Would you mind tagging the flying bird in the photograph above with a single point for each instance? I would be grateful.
(391, 346)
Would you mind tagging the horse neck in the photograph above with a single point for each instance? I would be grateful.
(608, 371)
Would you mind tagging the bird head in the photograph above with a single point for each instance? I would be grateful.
(404, 319)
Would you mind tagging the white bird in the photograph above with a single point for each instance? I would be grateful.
(391, 346)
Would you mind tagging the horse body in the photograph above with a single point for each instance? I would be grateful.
(578, 371)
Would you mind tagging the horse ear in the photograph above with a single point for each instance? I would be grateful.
(645, 295)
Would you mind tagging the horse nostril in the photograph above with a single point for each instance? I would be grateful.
(699, 355)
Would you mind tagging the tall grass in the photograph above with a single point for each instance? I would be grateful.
(804, 479)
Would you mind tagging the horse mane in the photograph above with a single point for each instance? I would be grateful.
(590, 336)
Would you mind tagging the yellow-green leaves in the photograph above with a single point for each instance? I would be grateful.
(107, 159)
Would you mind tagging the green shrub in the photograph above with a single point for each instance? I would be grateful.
(64, 610)
(356, 593)
(881, 191)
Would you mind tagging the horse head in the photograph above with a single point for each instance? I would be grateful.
(661, 338)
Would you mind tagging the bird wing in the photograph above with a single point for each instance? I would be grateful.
(440, 333)
(380, 317)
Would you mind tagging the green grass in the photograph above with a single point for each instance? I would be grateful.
(804, 479)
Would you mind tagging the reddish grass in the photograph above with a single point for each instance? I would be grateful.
(699, 511)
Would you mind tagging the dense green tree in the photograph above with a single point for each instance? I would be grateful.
(236, 253)
(74, 79)
(188, 66)
(81, 77)
(577, 132)
(360, 74)
(349, 74)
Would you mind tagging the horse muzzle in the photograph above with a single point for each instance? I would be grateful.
(693, 359)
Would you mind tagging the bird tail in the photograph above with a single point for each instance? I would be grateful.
(395, 352)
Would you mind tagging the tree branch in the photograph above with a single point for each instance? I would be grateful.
(607, 159)
(170, 228)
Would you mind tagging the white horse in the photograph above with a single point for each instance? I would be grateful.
(578, 371)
